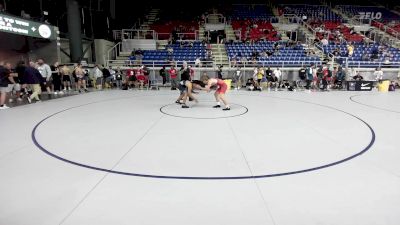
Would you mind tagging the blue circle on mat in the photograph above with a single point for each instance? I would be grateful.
(365, 149)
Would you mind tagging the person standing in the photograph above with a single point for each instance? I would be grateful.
(118, 78)
(309, 76)
(98, 77)
(5, 74)
(33, 78)
(163, 74)
(81, 79)
(66, 77)
(45, 71)
(378, 74)
(278, 75)
(174, 77)
(56, 77)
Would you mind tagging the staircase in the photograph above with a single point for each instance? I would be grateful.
(161, 44)
(201, 33)
(213, 18)
(150, 19)
(230, 33)
(220, 56)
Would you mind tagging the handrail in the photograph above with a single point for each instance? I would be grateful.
(113, 52)
(188, 34)
(266, 63)
(132, 33)
(157, 63)
(381, 26)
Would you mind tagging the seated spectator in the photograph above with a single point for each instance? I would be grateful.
(358, 77)
(197, 62)
(350, 50)
(324, 41)
(336, 52)
(365, 57)
(170, 50)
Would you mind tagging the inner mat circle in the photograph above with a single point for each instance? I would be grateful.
(203, 110)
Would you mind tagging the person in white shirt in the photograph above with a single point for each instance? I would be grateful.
(324, 42)
(278, 75)
(197, 63)
(98, 76)
(238, 78)
(378, 74)
(45, 71)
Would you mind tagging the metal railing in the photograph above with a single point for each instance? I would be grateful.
(113, 52)
(156, 63)
(385, 28)
(220, 18)
(138, 34)
(181, 36)
(282, 64)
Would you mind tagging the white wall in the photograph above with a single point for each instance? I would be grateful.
(101, 47)
(129, 44)
(286, 27)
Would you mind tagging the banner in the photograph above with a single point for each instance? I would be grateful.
(15, 25)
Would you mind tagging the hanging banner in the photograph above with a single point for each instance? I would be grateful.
(15, 25)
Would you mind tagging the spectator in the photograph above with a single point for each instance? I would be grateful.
(358, 77)
(118, 78)
(98, 77)
(336, 52)
(45, 71)
(130, 79)
(310, 76)
(170, 51)
(107, 78)
(5, 81)
(350, 50)
(378, 74)
(66, 76)
(365, 57)
(324, 41)
(278, 74)
(20, 70)
(174, 77)
(163, 74)
(219, 72)
(197, 62)
(80, 77)
(56, 77)
(33, 78)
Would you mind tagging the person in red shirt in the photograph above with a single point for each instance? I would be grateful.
(174, 77)
(141, 77)
(219, 93)
(130, 78)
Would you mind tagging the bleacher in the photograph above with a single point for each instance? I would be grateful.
(244, 12)
(360, 49)
(321, 12)
(264, 29)
(290, 56)
(344, 30)
(184, 53)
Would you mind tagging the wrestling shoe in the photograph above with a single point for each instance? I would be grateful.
(185, 106)
(217, 106)
(227, 108)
